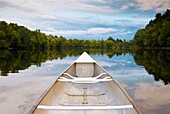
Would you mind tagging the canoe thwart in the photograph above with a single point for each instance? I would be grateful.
(85, 80)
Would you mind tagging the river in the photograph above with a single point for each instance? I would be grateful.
(25, 75)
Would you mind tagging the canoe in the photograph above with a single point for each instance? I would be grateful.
(85, 88)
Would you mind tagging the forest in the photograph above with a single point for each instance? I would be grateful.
(156, 33)
(13, 36)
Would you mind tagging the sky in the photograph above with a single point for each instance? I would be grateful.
(83, 19)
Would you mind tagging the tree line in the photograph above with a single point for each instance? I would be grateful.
(13, 36)
(156, 33)
(19, 37)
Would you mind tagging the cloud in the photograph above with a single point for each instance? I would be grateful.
(39, 6)
(144, 5)
(128, 5)
(95, 31)
(91, 31)
(8, 4)
(123, 32)
(157, 5)
(95, 6)
(4, 4)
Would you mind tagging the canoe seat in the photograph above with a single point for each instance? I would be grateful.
(95, 79)
(85, 107)
(84, 70)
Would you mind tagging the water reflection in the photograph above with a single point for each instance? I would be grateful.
(155, 62)
(11, 61)
(153, 98)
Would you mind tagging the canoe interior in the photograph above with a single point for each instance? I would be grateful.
(91, 94)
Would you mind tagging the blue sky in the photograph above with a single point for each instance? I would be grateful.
(83, 19)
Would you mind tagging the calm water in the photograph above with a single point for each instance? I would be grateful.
(24, 75)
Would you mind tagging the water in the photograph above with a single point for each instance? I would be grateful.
(25, 75)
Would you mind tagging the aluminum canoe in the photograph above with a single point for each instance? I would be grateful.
(85, 88)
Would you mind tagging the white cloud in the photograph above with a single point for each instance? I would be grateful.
(123, 32)
(157, 5)
(95, 31)
(49, 9)
(91, 31)
(59, 5)
(126, 6)
(126, 32)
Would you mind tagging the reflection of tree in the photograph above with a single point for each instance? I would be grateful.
(156, 63)
(11, 61)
